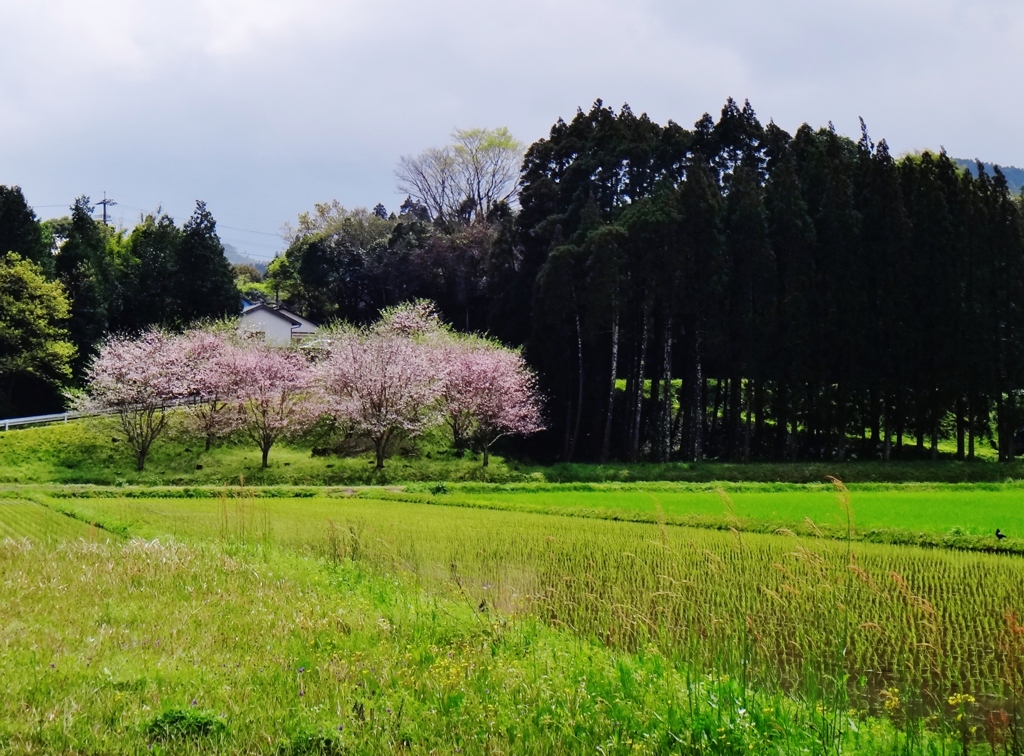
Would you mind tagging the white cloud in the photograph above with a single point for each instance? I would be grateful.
(263, 107)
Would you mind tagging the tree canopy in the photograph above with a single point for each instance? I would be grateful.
(113, 280)
(20, 231)
(33, 314)
(768, 295)
(465, 180)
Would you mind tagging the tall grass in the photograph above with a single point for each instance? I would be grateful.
(924, 646)
(782, 611)
(231, 646)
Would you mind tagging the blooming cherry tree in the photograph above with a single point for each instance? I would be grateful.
(382, 381)
(489, 392)
(139, 380)
(409, 372)
(212, 382)
(274, 394)
(417, 319)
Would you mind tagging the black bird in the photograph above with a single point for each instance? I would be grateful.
(1000, 534)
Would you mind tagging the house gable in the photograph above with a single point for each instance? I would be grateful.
(277, 325)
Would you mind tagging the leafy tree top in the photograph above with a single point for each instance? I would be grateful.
(33, 311)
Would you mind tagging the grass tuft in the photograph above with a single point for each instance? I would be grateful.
(185, 724)
(312, 741)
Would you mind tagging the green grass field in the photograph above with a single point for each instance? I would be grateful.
(516, 560)
(185, 649)
(524, 616)
(933, 509)
(489, 631)
(960, 516)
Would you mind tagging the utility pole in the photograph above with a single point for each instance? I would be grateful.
(106, 203)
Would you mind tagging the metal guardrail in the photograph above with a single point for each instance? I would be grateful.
(63, 417)
(60, 417)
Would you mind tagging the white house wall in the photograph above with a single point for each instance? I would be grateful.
(276, 330)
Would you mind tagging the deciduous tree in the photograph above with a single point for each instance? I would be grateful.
(211, 357)
(383, 379)
(139, 379)
(465, 180)
(275, 394)
(488, 392)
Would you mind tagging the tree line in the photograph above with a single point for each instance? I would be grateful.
(734, 291)
(727, 291)
(451, 241)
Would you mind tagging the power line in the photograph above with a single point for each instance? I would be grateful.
(249, 230)
(105, 203)
(219, 225)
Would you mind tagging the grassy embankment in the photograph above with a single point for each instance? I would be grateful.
(86, 452)
(89, 452)
(331, 625)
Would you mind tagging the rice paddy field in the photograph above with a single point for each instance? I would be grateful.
(937, 508)
(477, 619)
(26, 519)
(962, 516)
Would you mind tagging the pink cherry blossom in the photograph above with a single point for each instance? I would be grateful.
(140, 380)
(489, 392)
(274, 394)
(212, 382)
(384, 382)
(412, 319)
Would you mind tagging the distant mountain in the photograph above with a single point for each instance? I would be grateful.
(1014, 176)
(240, 258)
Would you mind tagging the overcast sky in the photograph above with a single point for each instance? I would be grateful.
(263, 107)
